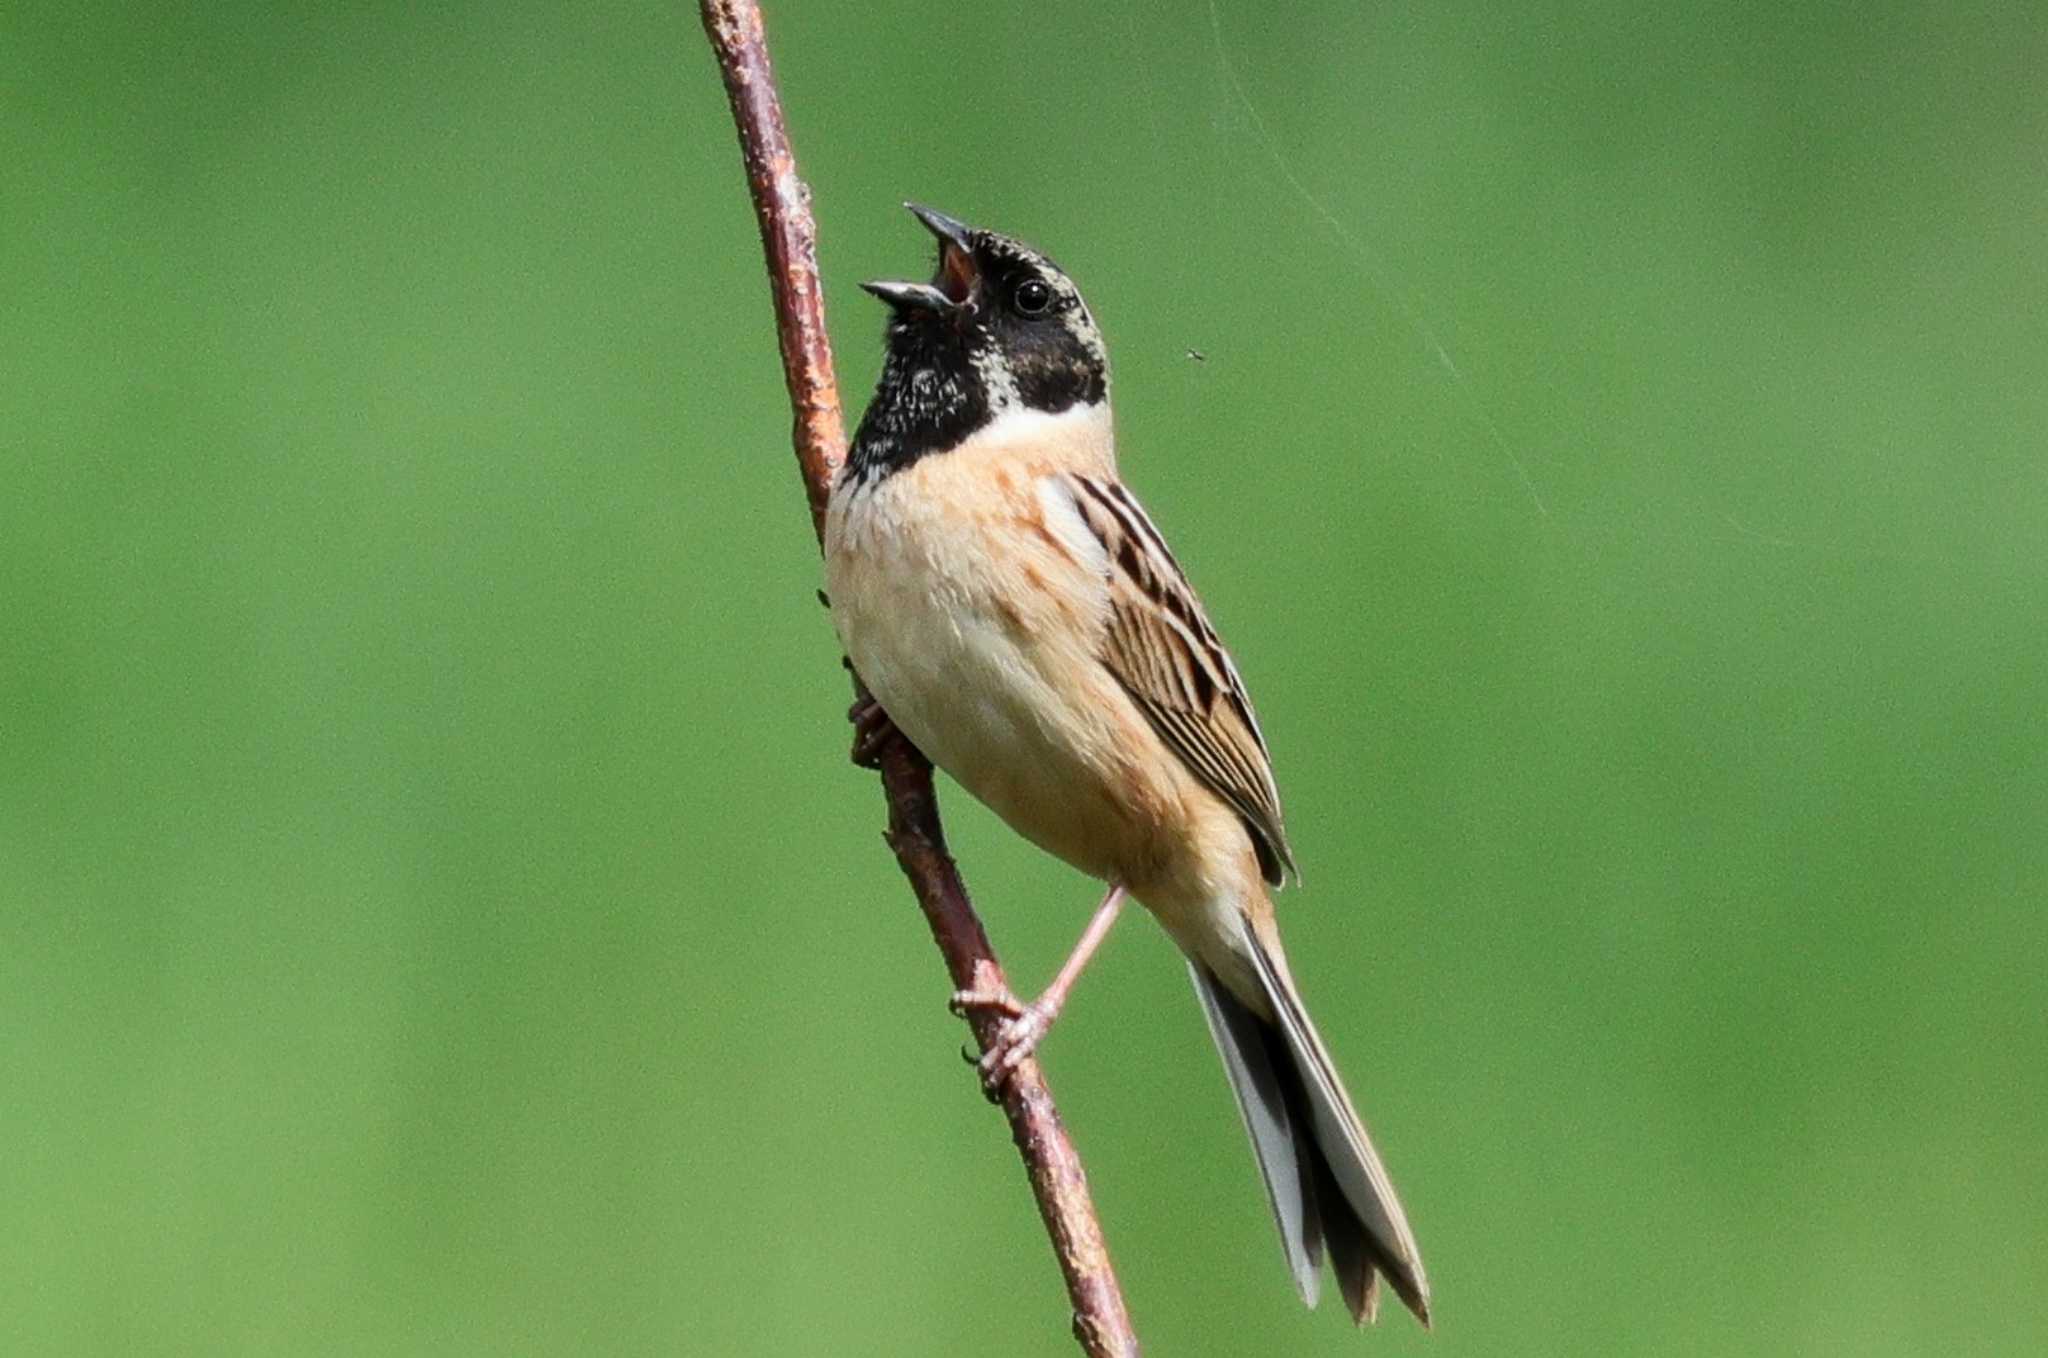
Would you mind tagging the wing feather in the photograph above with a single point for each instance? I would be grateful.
(1162, 650)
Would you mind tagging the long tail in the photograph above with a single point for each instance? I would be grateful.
(1327, 1185)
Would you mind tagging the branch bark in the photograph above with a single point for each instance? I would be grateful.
(789, 238)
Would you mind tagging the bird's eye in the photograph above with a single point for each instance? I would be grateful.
(1032, 298)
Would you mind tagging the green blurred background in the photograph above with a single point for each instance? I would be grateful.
(436, 913)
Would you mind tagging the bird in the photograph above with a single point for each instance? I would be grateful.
(1017, 617)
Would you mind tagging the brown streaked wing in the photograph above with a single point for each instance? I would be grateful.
(1161, 648)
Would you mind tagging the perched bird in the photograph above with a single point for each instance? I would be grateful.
(1019, 619)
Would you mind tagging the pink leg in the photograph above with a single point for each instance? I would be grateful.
(1027, 1024)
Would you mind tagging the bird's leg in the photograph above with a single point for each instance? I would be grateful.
(873, 732)
(1025, 1025)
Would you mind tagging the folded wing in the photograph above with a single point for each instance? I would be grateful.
(1161, 648)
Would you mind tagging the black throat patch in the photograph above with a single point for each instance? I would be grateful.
(929, 398)
(935, 387)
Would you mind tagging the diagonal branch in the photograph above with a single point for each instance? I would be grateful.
(789, 237)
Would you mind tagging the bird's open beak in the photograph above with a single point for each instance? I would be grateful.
(952, 286)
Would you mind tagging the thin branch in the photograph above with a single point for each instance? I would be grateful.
(789, 237)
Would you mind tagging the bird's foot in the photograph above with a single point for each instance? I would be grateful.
(1024, 1027)
(873, 732)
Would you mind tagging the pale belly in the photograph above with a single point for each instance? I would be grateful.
(993, 677)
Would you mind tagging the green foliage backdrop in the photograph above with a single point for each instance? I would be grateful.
(436, 915)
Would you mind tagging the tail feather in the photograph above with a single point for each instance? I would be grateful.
(1351, 1257)
(1279, 1141)
(1329, 1190)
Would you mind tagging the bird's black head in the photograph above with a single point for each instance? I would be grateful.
(999, 328)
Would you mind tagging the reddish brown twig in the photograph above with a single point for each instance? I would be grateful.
(789, 236)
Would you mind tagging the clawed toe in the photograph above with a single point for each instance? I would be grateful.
(873, 733)
(966, 1003)
(1024, 1027)
(1019, 1038)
